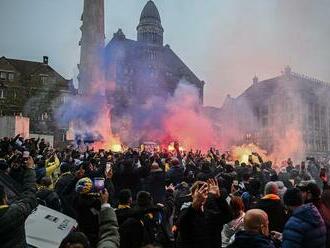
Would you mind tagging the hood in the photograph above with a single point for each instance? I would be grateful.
(309, 213)
(246, 239)
(271, 197)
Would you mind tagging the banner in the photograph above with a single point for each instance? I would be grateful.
(46, 228)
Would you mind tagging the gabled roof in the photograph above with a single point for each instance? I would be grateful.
(128, 50)
(27, 67)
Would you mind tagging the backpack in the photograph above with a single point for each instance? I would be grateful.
(139, 231)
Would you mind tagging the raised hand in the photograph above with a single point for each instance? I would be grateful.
(200, 196)
(104, 196)
(214, 187)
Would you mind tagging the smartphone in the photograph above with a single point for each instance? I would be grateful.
(108, 167)
(99, 183)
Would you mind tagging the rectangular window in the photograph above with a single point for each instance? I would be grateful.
(2, 94)
(3, 75)
(43, 78)
(11, 76)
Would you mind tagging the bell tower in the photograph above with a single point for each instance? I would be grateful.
(150, 29)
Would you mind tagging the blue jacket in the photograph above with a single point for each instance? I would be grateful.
(244, 239)
(305, 228)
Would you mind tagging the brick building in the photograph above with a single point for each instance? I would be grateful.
(33, 89)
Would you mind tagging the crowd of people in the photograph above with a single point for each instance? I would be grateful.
(184, 199)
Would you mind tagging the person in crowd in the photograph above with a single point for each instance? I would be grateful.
(65, 178)
(13, 216)
(255, 233)
(325, 212)
(175, 174)
(237, 224)
(148, 225)
(192, 213)
(47, 196)
(124, 209)
(108, 229)
(155, 183)
(311, 193)
(305, 228)
(201, 222)
(271, 203)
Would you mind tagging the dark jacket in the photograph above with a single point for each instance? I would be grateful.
(245, 239)
(147, 225)
(305, 228)
(12, 218)
(63, 181)
(203, 229)
(175, 175)
(155, 185)
(274, 208)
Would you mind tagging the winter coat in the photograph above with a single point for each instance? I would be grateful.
(305, 228)
(63, 181)
(203, 229)
(245, 239)
(108, 229)
(175, 175)
(325, 213)
(12, 218)
(155, 185)
(274, 208)
(231, 228)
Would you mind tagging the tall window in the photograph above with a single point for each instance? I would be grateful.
(3, 75)
(11, 76)
(2, 94)
(43, 78)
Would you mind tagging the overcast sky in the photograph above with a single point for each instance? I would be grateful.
(225, 42)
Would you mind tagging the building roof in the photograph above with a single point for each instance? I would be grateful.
(27, 67)
(288, 83)
(150, 11)
(129, 51)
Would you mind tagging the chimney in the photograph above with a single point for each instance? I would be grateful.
(45, 60)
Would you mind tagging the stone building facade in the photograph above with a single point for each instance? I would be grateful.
(278, 112)
(146, 67)
(33, 89)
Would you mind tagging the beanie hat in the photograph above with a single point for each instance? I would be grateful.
(314, 190)
(84, 185)
(293, 197)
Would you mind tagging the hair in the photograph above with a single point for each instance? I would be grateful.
(2, 194)
(196, 186)
(46, 181)
(124, 196)
(293, 197)
(254, 219)
(144, 199)
(325, 198)
(271, 188)
(237, 205)
(75, 238)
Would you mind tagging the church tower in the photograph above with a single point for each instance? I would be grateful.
(92, 45)
(150, 29)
